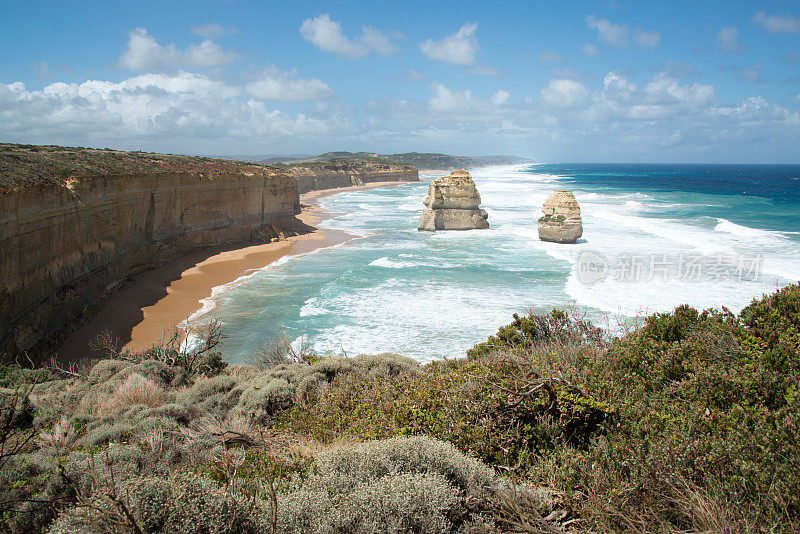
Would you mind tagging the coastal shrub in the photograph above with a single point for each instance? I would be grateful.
(281, 386)
(217, 395)
(487, 407)
(397, 485)
(417, 454)
(103, 370)
(386, 364)
(707, 410)
(537, 332)
(264, 397)
(13, 375)
(178, 413)
(393, 504)
(182, 504)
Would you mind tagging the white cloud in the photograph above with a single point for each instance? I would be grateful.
(609, 33)
(213, 30)
(550, 57)
(144, 54)
(273, 84)
(458, 48)
(183, 109)
(756, 109)
(484, 70)
(590, 50)
(444, 99)
(500, 97)
(728, 40)
(413, 76)
(777, 23)
(378, 42)
(674, 139)
(564, 93)
(647, 39)
(327, 34)
(752, 74)
(664, 89)
(42, 69)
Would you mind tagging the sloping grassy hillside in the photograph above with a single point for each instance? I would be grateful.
(688, 423)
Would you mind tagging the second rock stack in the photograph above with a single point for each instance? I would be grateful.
(562, 218)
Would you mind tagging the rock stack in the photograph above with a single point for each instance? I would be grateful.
(561, 222)
(452, 204)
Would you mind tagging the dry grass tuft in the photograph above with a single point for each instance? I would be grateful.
(62, 434)
(135, 390)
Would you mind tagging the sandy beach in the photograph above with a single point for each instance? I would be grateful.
(156, 300)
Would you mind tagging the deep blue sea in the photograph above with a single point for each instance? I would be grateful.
(655, 236)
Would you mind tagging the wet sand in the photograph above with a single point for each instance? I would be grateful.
(155, 301)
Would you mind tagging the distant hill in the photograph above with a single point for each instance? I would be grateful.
(420, 160)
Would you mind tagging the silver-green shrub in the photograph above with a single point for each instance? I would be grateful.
(180, 504)
(417, 454)
(395, 503)
(413, 484)
(217, 395)
(263, 397)
(281, 386)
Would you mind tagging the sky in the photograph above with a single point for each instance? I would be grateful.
(594, 81)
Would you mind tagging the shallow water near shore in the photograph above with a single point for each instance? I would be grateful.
(708, 236)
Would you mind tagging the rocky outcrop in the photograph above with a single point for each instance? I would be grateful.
(453, 204)
(313, 177)
(561, 222)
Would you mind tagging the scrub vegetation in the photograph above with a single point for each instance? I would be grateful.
(687, 423)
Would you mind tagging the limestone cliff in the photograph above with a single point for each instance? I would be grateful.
(77, 223)
(313, 177)
(453, 204)
(561, 222)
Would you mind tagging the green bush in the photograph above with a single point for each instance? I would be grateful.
(217, 395)
(180, 504)
(396, 485)
(13, 375)
(483, 406)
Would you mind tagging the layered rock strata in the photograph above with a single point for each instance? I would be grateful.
(75, 224)
(332, 175)
(453, 204)
(561, 222)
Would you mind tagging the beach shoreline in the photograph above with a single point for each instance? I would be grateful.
(148, 308)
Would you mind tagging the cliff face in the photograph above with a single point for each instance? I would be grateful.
(66, 247)
(76, 223)
(332, 175)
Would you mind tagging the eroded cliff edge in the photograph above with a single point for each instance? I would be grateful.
(75, 224)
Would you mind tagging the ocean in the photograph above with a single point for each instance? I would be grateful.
(654, 237)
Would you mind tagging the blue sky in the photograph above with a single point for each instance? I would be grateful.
(681, 81)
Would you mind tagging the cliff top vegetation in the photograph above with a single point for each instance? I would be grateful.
(33, 165)
(420, 160)
(687, 423)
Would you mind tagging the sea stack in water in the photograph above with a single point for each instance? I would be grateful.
(452, 204)
(561, 222)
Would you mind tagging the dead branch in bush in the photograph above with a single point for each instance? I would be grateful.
(15, 435)
(281, 350)
(106, 344)
(103, 508)
(520, 511)
(73, 369)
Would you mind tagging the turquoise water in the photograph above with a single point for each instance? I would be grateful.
(433, 295)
